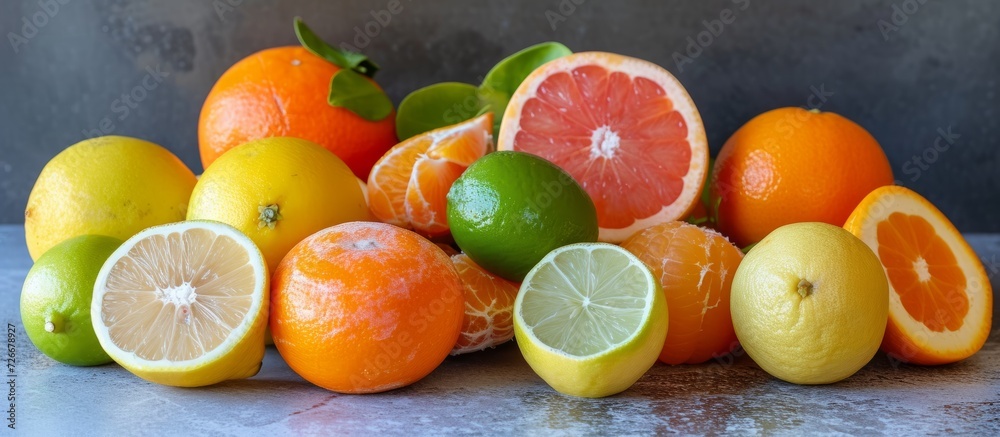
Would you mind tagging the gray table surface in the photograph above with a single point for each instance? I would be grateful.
(495, 392)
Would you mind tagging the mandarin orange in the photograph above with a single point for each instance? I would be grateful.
(408, 186)
(365, 307)
(489, 306)
(695, 266)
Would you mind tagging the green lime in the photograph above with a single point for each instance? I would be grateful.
(590, 319)
(55, 300)
(509, 209)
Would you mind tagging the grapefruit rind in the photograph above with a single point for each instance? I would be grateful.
(682, 103)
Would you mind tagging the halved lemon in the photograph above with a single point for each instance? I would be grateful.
(940, 298)
(590, 319)
(184, 304)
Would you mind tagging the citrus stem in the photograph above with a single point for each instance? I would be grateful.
(805, 288)
(269, 216)
(54, 323)
(814, 110)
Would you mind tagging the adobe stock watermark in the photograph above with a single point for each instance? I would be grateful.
(714, 28)
(465, 109)
(397, 348)
(223, 7)
(900, 15)
(33, 23)
(371, 29)
(563, 10)
(785, 127)
(992, 266)
(918, 164)
(128, 101)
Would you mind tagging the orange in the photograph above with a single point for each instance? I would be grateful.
(696, 267)
(283, 92)
(793, 165)
(365, 307)
(408, 186)
(940, 298)
(489, 307)
(625, 129)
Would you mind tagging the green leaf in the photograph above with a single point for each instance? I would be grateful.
(341, 58)
(359, 95)
(504, 78)
(435, 106)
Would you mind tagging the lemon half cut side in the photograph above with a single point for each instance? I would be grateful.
(184, 304)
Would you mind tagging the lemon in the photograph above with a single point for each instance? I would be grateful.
(184, 304)
(55, 300)
(590, 319)
(278, 191)
(509, 209)
(810, 303)
(114, 186)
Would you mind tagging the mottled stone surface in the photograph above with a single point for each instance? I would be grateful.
(495, 392)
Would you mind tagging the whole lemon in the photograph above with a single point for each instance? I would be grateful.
(114, 186)
(56, 298)
(810, 303)
(278, 191)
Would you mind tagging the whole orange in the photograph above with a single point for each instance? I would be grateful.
(283, 92)
(365, 307)
(793, 165)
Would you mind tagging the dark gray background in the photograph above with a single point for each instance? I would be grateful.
(935, 68)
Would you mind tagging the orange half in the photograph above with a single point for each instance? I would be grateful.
(940, 298)
(624, 128)
(408, 186)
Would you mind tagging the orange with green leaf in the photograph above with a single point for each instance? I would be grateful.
(315, 92)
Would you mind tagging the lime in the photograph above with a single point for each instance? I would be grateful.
(114, 186)
(55, 300)
(184, 304)
(590, 319)
(509, 209)
(810, 303)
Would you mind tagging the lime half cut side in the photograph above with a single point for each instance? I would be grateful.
(590, 319)
(184, 304)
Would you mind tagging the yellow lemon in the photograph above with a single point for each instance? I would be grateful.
(114, 186)
(278, 191)
(810, 303)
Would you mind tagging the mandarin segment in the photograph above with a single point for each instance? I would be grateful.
(695, 267)
(408, 186)
(489, 306)
(365, 307)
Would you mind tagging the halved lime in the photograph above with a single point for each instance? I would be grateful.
(590, 319)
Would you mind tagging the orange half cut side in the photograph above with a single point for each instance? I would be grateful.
(940, 298)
